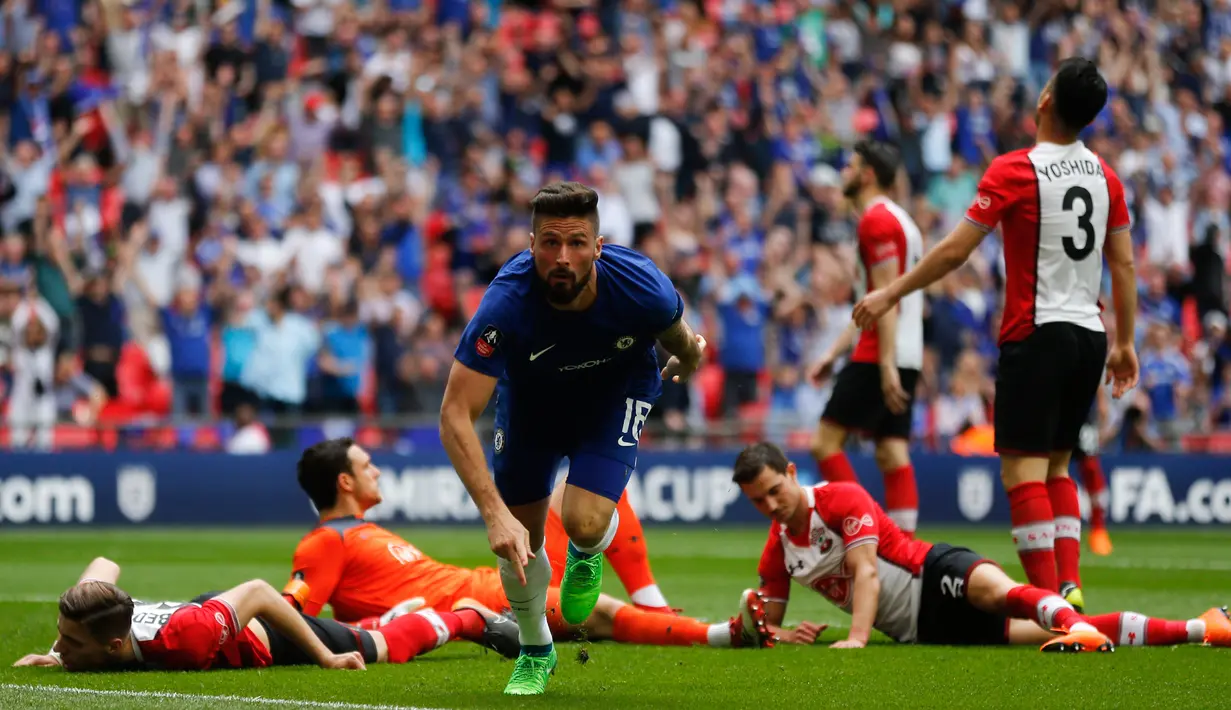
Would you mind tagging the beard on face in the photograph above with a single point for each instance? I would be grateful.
(566, 287)
(853, 187)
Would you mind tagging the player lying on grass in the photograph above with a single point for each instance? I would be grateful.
(836, 540)
(250, 626)
(365, 572)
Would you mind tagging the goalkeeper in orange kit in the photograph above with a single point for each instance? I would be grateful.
(369, 575)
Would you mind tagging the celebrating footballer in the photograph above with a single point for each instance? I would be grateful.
(565, 339)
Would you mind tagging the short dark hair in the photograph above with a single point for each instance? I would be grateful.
(1078, 93)
(319, 467)
(105, 610)
(565, 199)
(883, 158)
(755, 457)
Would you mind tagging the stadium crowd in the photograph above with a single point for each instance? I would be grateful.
(292, 206)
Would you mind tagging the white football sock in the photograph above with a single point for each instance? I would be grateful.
(529, 602)
(649, 595)
(1196, 630)
(608, 536)
(719, 635)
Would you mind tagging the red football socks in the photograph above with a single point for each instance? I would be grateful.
(415, 634)
(1034, 532)
(1096, 487)
(902, 498)
(1045, 607)
(836, 467)
(1066, 508)
(1129, 628)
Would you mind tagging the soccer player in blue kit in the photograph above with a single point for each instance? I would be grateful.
(565, 337)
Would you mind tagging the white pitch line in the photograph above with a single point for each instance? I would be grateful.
(159, 695)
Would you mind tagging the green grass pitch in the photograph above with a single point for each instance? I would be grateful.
(1167, 573)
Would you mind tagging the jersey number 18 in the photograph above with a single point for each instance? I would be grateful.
(635, 413)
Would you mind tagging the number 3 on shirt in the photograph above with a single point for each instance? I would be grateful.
(635, 413)
(1073, 195)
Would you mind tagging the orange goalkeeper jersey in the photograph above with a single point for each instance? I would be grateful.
(362, 570)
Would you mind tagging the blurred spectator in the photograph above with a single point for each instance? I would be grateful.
(186, 323)
(238, 338)
(743, 311)
(10, 299)
(343, 359)
(250, 435)
(32, 396)
(79, 397)
(1166, 219)
(1166, 378)
(277, 368)
(310, 248)
(102, 325)
(1155, 304)
(965, 404)
(391, 315)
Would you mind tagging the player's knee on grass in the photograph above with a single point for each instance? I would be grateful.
(892, 454)
(828, 440)
(988, 588)
(1016, 470)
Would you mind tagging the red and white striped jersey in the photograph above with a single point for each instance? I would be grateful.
(887, 233)
(844, 516)
(1055, 205)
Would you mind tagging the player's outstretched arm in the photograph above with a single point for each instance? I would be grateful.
(950, 253)
(1122, 365)
(861, 561)
(258, 598)
(100, 569)
(686, 348)
(466, 396)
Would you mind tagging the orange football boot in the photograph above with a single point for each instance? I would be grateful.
(1079, 642)
(1217, 627)
(1100, 542)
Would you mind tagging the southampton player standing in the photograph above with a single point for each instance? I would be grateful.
(1061, 208)
(874, 393)
(564, 337)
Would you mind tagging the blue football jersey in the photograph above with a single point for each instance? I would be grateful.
(547, 358)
